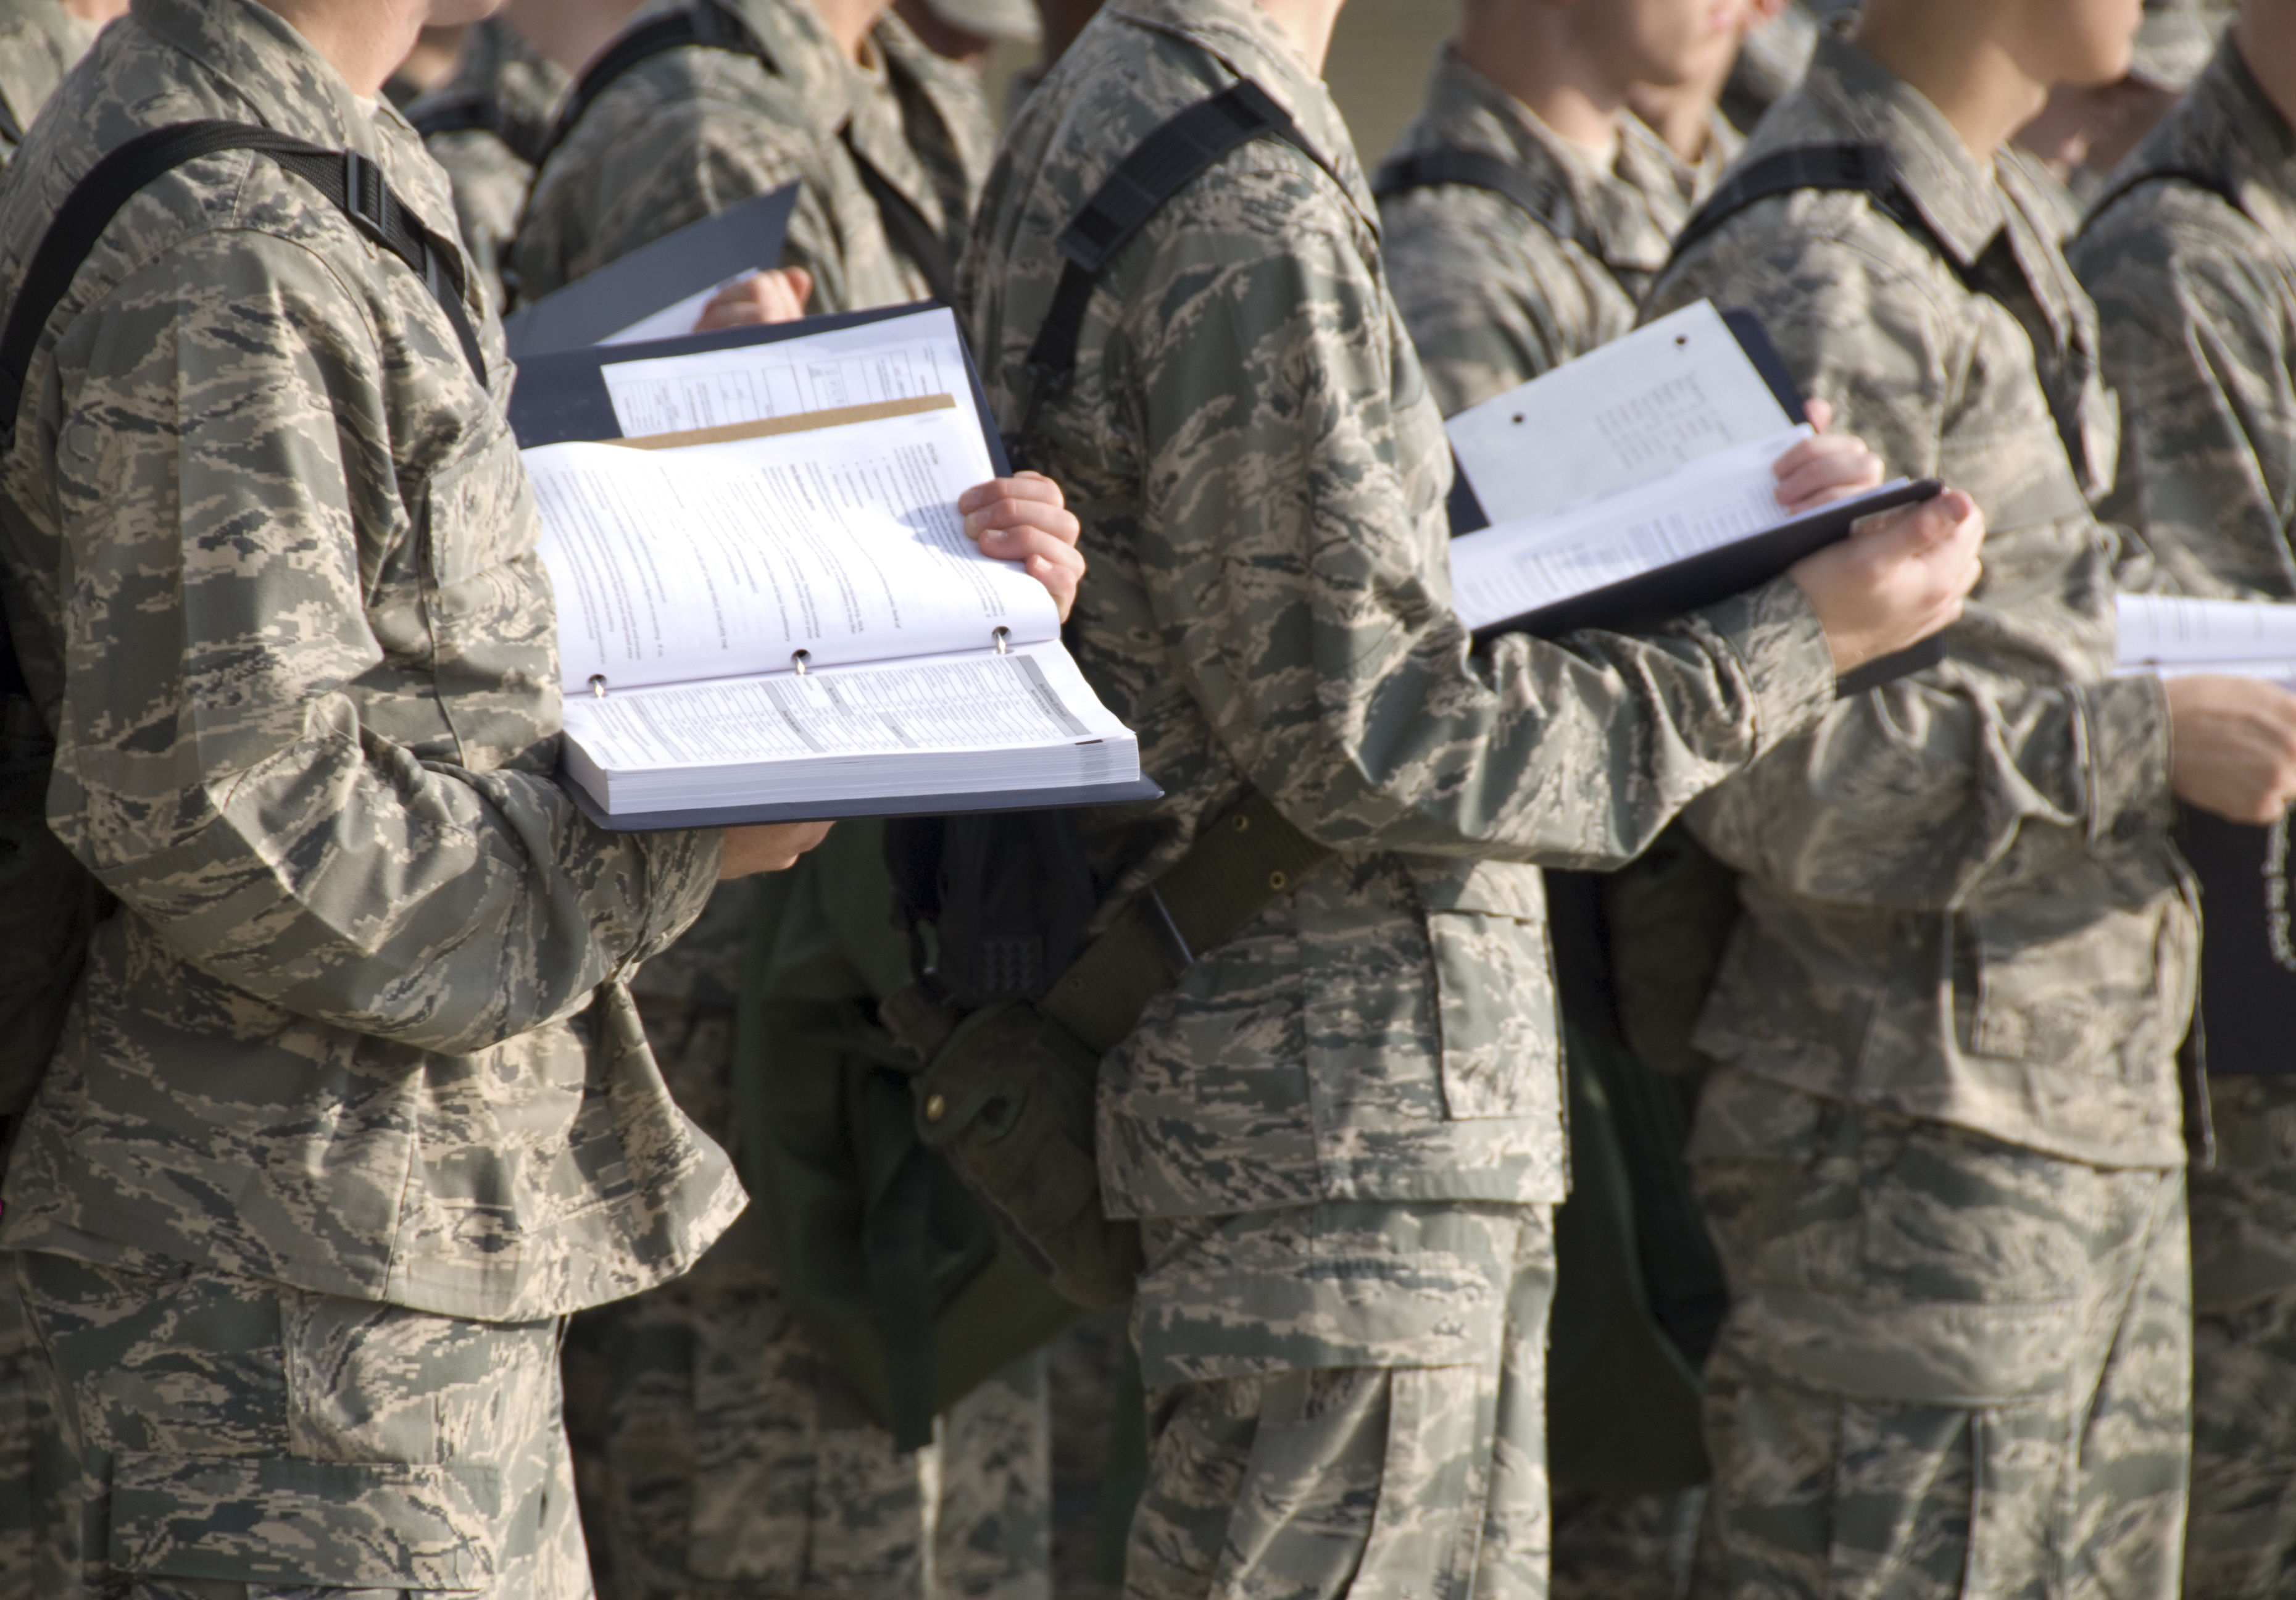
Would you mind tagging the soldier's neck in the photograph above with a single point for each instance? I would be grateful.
(849, 21)
(1535, 53)
(569, 32)
(2266, 37)
(97, 11)
(362, 40)
(1308, 24)
(1971, 78)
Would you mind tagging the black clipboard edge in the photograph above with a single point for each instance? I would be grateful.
(1754, 338)
(1649, 599)
(1134, 790)
(563, 396)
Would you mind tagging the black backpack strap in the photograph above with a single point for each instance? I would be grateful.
(460, 114)
(2213, 183)
(907, 228)
(1862, 169)
(1180, 150)
(351, 182)
(1474, 169)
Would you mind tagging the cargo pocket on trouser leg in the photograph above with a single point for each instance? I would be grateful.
(389, 1526)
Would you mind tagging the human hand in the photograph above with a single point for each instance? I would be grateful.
(758, 300)
(1897, 579)
(1026, 519)
(2231, 745)
(767, 848)
(1826, 467)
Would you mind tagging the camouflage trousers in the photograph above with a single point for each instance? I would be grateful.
(1345, 1399)
(1951, 1365)
(230, 1440)
(2241, 1542)
(722, 1458)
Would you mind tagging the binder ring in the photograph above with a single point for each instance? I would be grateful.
(597, 686)
(800, 660)
(1002, 638)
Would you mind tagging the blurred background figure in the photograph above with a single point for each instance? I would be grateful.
(39, 41)
(2086, 130)
(966, 31)
(426, 65)
(1686, 113)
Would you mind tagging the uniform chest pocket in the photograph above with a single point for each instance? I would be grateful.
(1496, 1007)
(2093, 998)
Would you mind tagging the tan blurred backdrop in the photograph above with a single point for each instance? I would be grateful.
(1377, 67)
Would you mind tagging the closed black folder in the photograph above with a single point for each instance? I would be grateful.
(742, 238)
(2248, 960)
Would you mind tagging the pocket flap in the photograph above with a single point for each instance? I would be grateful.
(323, 1523)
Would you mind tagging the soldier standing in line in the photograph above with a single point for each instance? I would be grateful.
(1941, 1149)
(1341, 1130)
(708, 1427)
(2194, 269)
(352, 1106)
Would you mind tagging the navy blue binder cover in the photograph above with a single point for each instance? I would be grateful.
(743, 238)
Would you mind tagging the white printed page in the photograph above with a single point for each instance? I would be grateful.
(897, 359)
(729, 559)
(2169, 635)
(1640, 406)
(976, 722)
(1519, 567)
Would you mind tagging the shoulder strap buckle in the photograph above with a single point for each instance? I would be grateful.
(366, 200)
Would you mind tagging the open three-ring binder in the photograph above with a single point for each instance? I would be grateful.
(768, 606)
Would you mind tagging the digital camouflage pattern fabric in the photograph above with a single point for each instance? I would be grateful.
(39, 42)
(1966, 958)
(2198, 297)
(1259, 467)
(1297, 1449)
(694, 131)
(722, 1454)
(511, 92)
(2239, 1542)
(247, 1438)
(744, 1465)
(1494, 295)
(286, 621)
(1344, 1123)
(1960, 899)
(1953, 1366)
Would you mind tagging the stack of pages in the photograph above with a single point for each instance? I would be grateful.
(777, 615)
(1635, 484)
(2248, 897)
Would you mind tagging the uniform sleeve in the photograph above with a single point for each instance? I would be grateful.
(1287, 549)
(2196, 339)
(1993, 767)
(220, 593)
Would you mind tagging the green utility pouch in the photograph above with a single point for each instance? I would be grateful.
(1009, 1038)
(1008, 1102)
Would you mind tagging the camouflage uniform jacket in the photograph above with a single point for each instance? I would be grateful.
(360, 1026)
(499, 77)
(39, 42)
(1961, 903)
(2199, 303)
(694, 131)
(1494, 296)
(1260, 473)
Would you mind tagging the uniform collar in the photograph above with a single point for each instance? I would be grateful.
(2227, 125)
(1625, 216)
(1956, 195)
(826, 85)
(1246, 40)
(288, 86)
